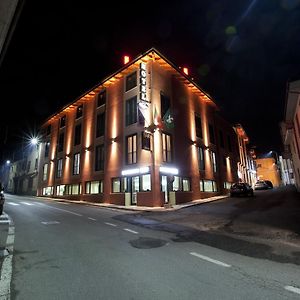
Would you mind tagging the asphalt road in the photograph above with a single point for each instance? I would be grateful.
(69, 251)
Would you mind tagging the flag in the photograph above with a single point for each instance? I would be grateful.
(168, 119)
(157, 119)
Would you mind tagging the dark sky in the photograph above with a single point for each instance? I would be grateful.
(241, 52)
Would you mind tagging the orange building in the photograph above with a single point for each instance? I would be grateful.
(268, 170)
(147, 135)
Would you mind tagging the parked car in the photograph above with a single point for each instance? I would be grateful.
(2, 199)
(241, 189)
(261, 185)
(269, 183)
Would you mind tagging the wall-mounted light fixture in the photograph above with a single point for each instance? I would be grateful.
(68, 155)
(113, 140)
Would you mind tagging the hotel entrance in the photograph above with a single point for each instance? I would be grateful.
(131, 187)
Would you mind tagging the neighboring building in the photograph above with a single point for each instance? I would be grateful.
(287, 172)
(147, 135)
(23, 176)
(290, 128)
(246, 164)
(267, 169)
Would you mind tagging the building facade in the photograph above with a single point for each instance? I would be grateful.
(267, 169)
(286, 170)
(290, 128)
(147, 135)
(246, 165)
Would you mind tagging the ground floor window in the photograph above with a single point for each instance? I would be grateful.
(179, 183)
(139, 183)
(227, 185)
(47, 191)
(94, 187)
(208, 186)
(68, 189)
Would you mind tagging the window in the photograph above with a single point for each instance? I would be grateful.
(79, 111)
(47, 147)
(164, 105)
(36, 164)
(100, 129)
(201, 158)
(211, 134)
(227, 185)
(48, 130)
(176, 184)
(60, 190)
(213, 161)
(167, 147)
(76, 189)
(221, 138)
(76, 164)
(59, 168)
(45, 172)
(28, 166)
(146, 182)
(116, 185)
(208, 186)
(77, 138)
(186, 185)
(62, 122)
(131, 111)
(48, 191)
(99, 158)
(146, 141)
(94, 187)
(131, 149)
(101, 98)
(198, 125)
(61, 139)
(131, 81)
(229, 143)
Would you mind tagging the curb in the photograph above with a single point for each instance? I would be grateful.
(140, 208)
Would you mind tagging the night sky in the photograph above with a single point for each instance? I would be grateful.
(241, 52)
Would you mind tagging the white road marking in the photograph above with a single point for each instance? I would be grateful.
(132, 231)
(70, 212)
(4, 221)
(26, 203)
(292, 289)
(50, 222)
(217, 262)
(110, 224)
(12, 203)
(92, 219)
(6, 269)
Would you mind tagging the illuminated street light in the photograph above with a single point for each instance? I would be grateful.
(8, 162)
(34, 141)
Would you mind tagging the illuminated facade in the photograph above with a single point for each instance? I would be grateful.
(147, 136)
(290, 128)
(267, 169)
(246, 164)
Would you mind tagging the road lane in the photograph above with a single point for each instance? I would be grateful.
(79, 259)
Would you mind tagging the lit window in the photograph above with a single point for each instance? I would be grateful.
(47, 191)
(176, 184)
(45, 172)
(76, 189)
(94, 187)
(76, 164)
(213, 161)
(131, 149)
(186, 186)
(146, 182)
(166, 147)
(60, 190)
(208, 186)
(131, 81)
(116, 185)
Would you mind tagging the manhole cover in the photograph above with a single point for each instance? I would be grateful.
(147, 243)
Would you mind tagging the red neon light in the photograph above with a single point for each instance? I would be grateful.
(126, 59)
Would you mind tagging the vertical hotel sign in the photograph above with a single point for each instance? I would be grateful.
(143, 103)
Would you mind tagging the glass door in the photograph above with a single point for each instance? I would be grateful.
(135, 187)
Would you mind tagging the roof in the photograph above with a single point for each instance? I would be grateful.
(151, 54)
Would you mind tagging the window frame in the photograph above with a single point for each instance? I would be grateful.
(76, 163)
(167, 154)
(128, 86)
(133, 154)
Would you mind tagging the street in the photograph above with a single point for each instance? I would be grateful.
(231, 249)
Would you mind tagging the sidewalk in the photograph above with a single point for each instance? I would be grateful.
(142, 208)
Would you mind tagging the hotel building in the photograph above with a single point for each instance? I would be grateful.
(147, 135)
